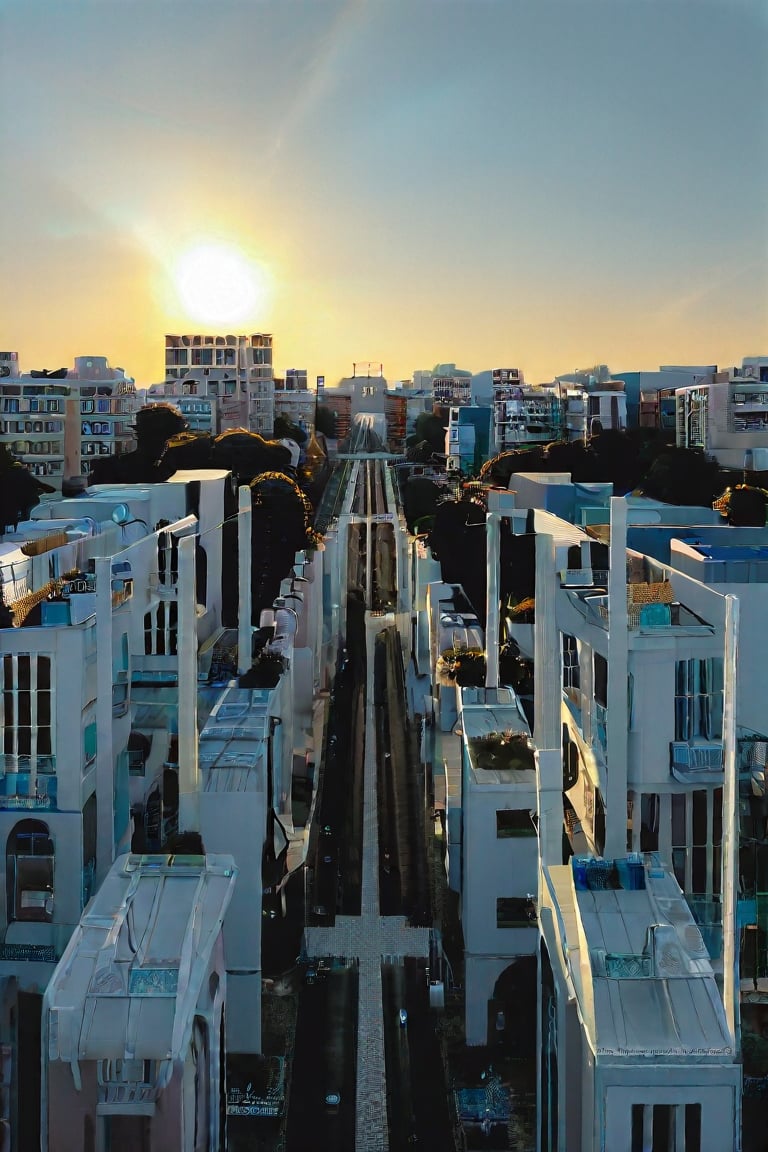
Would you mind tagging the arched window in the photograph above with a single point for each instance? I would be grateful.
(29, 872)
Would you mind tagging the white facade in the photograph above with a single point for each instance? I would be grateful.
(634, 1044)
(133, 1015)
(233, 373)
(727, 419)
(584, 409)
(499, 852)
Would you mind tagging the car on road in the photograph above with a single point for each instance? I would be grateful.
(333, 1101)
(402, 1017)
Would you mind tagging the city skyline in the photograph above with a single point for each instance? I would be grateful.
(542, 185)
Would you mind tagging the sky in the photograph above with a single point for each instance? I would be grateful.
(540, 184)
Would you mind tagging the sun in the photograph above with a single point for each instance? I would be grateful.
(217, 284)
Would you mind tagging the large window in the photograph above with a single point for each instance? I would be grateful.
(666, 1127)
(29, 872)
(515, 912)
(514, 822)
(697, 832)
(26, 717)
(699, 699)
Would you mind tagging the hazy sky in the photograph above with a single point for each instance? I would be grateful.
(542, 184)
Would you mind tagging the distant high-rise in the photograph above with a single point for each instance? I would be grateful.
(220, 382)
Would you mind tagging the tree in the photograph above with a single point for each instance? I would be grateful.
(430, 428)
(325, 421)
(684, 476)
(285, 429)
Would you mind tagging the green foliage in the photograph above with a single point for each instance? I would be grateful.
(430, 428)
(683, 476)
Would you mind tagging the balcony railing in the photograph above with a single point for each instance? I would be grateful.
(40, 952)
(43, 765)
(708, 915)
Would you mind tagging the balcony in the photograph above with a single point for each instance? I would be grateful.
(17, 792)
(702, 760)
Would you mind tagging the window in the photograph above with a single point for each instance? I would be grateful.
(515, 912)
(601, 679)
(658, 1127)
(27, 705)
(699, 699)
(514, 822)
(139, 746)
(570, 662)
(89, 743)
(29, 872)
(702, 809)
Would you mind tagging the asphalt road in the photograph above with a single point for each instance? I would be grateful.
(324, 1064)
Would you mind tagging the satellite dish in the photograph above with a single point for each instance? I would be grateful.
(121, 514)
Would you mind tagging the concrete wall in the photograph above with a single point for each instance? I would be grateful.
(235, 822)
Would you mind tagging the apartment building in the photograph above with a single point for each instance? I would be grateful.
(727, 416)
(133, 1018)
(220, 382)
(58, 424)
(468, 438)
(522, 414)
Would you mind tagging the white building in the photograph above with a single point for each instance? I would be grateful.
(587, 409)
(499, 861)
(729, 416)
(220, 382)
(133, 1016)
(635, 1048)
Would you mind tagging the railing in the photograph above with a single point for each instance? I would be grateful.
(41, 801)
(45, 953)
(44, 765)
(708, 915)
(627, 966)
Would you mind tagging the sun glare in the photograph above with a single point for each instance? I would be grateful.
(217, 284)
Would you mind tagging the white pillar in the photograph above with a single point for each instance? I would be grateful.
(547, 670)
(492, 536)
(105, 763)
(189, 802)
(244, 554)
(617, 721)
(547, 706)
(730, 853)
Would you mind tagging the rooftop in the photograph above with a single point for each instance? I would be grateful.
(640, 968)
(130, 977)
